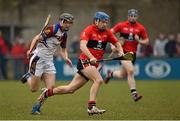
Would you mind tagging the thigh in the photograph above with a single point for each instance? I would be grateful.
(92, 73)
(77, 82)
(49, 79)
(122, 68)
(128, 65)
(35, 81)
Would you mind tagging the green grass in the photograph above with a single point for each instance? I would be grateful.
(161, 101)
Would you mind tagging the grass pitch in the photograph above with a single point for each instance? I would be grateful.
(161, 101)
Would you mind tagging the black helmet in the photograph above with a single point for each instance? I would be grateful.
(132, 12)
(67, 17)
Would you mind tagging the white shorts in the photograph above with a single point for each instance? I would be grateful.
(38, 66)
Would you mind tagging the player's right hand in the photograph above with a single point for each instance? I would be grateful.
(28, 54)
(120, 54)
(93, 60)
(69, 62)
(136, 37)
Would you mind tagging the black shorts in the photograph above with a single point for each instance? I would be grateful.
(134, 57)
(80, 66)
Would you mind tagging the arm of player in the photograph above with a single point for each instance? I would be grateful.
(113, 48)
(64, 54)
(85, 50)
(33, 44)
(119, 48)
(144, 41)
(141, 41)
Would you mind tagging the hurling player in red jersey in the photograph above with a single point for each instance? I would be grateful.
(93, 41)
(131, 33)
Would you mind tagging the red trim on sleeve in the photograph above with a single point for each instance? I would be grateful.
(49, 31)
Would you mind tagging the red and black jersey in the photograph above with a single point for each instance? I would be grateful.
(97, 41)
(128, 31)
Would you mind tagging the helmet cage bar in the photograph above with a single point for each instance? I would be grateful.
(66, 17)
(64, 20)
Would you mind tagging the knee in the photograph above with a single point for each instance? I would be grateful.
(130, 71)
(100, 81)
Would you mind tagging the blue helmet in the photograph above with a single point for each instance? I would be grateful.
(101, 16)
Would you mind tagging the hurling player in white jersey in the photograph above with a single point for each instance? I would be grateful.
(42, 50)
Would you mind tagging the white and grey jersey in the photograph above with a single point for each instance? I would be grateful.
(53, 37)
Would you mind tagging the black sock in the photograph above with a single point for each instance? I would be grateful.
(133, 90)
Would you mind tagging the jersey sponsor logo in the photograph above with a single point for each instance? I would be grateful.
(137, 30)
(99, 36)
(158, 69)
(125, 28)
(105, 36)
(131, 29)
(94, 35)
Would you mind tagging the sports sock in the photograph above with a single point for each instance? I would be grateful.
(111, 74)
(133, 91)
(49, 92)
(91, 103)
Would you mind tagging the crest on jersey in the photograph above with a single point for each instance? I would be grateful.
(47, 31)
(130, 36)
(99, 45)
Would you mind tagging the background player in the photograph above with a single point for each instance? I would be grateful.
(131, 33)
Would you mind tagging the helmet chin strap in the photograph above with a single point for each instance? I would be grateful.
(96, 22)
(102, 30)
(132, 22)
(62, 22)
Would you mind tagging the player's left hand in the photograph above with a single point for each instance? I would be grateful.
(136, 37)
(69, 62)
(122, 40)
(120, 53)
(93, 60)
